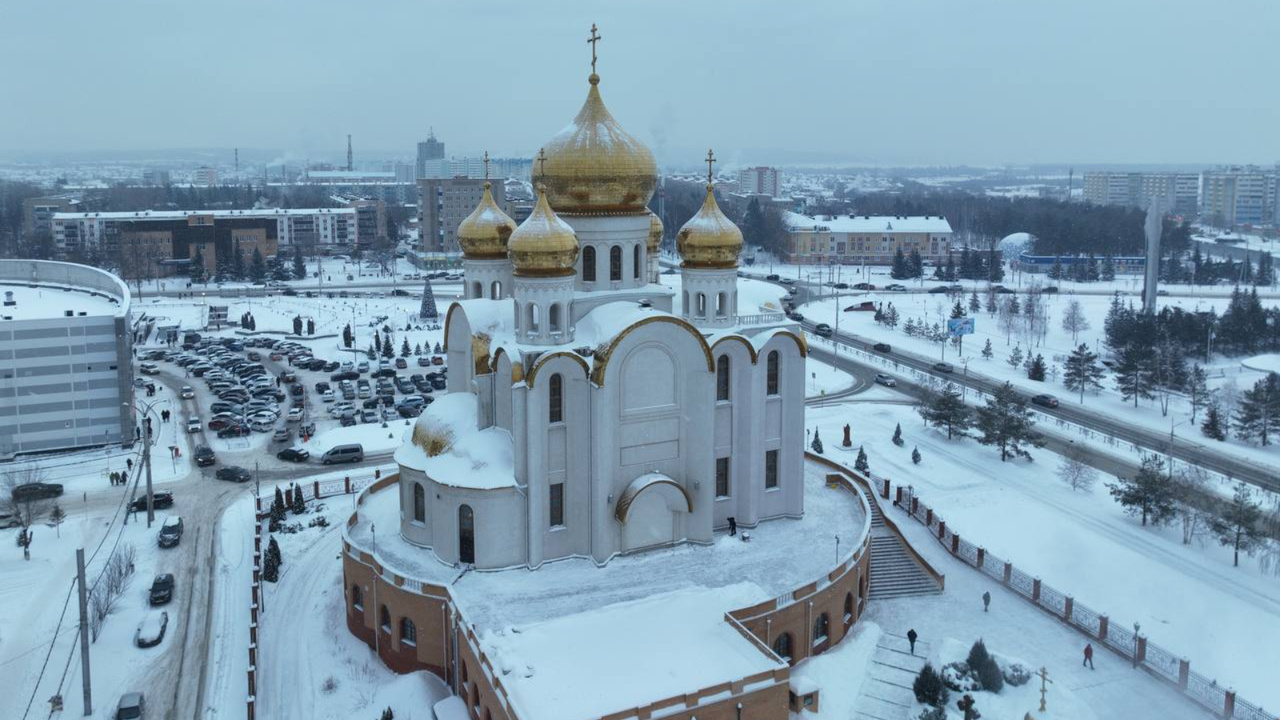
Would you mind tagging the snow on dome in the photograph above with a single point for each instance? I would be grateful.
(1014, 244)
(448, 447)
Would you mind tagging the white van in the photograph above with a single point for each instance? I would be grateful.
(343, 453)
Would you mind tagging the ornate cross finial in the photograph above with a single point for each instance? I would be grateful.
(541, 162)
(711, 158)
(486, 164)
(595, 38)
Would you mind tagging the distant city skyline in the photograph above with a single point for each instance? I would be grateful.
(940, 83)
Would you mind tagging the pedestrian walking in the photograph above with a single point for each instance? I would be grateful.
(986, 601)
(1088, 656)
(112, 478)
(128, 462)
(124, 477)
(911, 638)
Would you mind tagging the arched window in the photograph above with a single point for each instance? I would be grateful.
(553, 318)
(357, 598)
(635, 261)
(408, 632)
(534, 319)
(771, 373)
(555, 399)
(848, 608)
(615, 262)
(419, 503)
(589, 264)
(685, 305)
(466, 535)
(477, 290)
(384, 619)
(702, 305)
(722, 304)
(782, 646)
(495, 290)
(821, 628)
(722, 378)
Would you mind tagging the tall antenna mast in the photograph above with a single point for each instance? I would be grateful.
(350, 167)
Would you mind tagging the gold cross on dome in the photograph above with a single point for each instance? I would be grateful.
(711, 158)
(595, 38)
(486, 164)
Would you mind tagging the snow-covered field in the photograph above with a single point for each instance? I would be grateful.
(1188, 599)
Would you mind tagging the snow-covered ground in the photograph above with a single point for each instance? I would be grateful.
(1188, 599)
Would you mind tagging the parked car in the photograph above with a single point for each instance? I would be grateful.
(424, 361)
(343, 453)
(36, 491)
(159, 500)
(896, 287)
(235, 431)
(294, 415)
(151, 630)
(882, 347)
(1050, 289)
(1045, 400)
(795, 316)
(131, 706)
(943, 367)
(327, 396)
(401, 363)
(161, 589)
(864, 286)
(147, 368)
(823, 330)
(293, 455)
(886, 380)
(170, 531)
(204, 456)
(233, 473)
(939, 289)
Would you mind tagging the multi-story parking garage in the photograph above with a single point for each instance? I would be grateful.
(65, 357)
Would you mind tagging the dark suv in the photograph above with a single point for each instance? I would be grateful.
(162, 589)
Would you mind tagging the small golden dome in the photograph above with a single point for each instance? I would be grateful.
(593, 166)
(709, 239)
(483, 235)
(655, 234)
(543, 245)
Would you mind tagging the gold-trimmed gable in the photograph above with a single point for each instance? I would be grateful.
(661, 483)
(602, 356)
(800, 341)
(537, 366)
(751, 350)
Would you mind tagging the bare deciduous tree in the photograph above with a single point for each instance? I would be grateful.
(1193, 482)
(1074, 320)
(1075, 473)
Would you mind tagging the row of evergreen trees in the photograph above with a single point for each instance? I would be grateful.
(1244, 328)
(972, 265)
(235, 266)
(1004, 421)
(1201, 270)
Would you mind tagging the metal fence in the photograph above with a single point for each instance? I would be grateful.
(1127, 642)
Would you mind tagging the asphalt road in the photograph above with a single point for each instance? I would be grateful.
(1182, 449)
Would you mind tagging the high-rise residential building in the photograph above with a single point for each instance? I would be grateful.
(1179, 191)
(37, 213)
(473, 167)
(155, 177)
(1237, 195)
(760, 181)
(205, 176)
(428, 150)
(443, 203)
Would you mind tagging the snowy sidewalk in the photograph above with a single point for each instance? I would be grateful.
(886, 691)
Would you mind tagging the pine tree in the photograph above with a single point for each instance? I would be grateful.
(1055, 270)
(987, 352)
(1133, 373)
(237, 263)
(975, 305)
(428, 310)
(897, 435)
(915, 455)
(995, 268)
(299, 265)
(405, 350)
(388, 351)
(1265, 276)
(1082, 370)
(417, 349)
(928, 687)
(277, 513)
(957, 310)
(1037, 369)
(271, 562)
(915, 264)
(985, 667)
(297, 325)
(438, 349)
(1197, 389)
(348, 337)
(257, 266)
(1108, 272)
(56, 516)
(947, 410)
(1005, 422)
(1213, 426)
(991, 306)
(816, 445)
(1238, 526)
(1150, 494)
(900, 270)
(861, 464)
(388, 714)
(1258, 412)
(197, 270)
(1015, 357)
(299, 505)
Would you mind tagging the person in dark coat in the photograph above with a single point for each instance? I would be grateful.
(986, 601)
(1088, 655)
(911, 638)
(128, 463)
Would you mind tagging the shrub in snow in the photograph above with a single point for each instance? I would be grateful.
(387, 715)
(861, 464)
(958, 677)
(329, 685)
(985, 668)
(897, 435)
(1016, 675)
(933, 713)
(928, 687)
(915, 455)
(817, 442)
(435, 441)
(299, 505)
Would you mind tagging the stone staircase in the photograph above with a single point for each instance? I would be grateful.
(886, 691)
(894, 572)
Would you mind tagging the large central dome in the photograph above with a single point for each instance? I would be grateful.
(594, 167)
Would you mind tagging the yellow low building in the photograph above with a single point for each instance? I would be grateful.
(869, 239)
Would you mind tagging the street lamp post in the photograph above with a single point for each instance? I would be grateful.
(146, 456)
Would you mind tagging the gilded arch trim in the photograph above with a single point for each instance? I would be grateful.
(800, 341)
(448, 317)
(533, 371)
(603, 356)
(629, 495)
(755, 357)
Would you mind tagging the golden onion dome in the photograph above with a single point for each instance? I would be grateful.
(543, 245)
(709, 239)
(655, 234)
(595, 167)
(483, 235)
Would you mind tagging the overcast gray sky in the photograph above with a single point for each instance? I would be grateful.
(876, 81)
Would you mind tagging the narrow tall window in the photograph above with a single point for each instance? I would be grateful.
(770, 469)
(771, 373)
(782, 646)
(722, 477)
(722, 378)
(553, 321)
(408, 632)
(588, 264)
(419, 503)
(722, 304)
(357, 598)
(848, 608)
(635, 262)
(615, 262)
(385, 620)
(557, 505)
(555, 399)
(821, 628)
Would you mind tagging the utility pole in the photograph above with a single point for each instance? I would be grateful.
(84, 634)
(146, 458)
